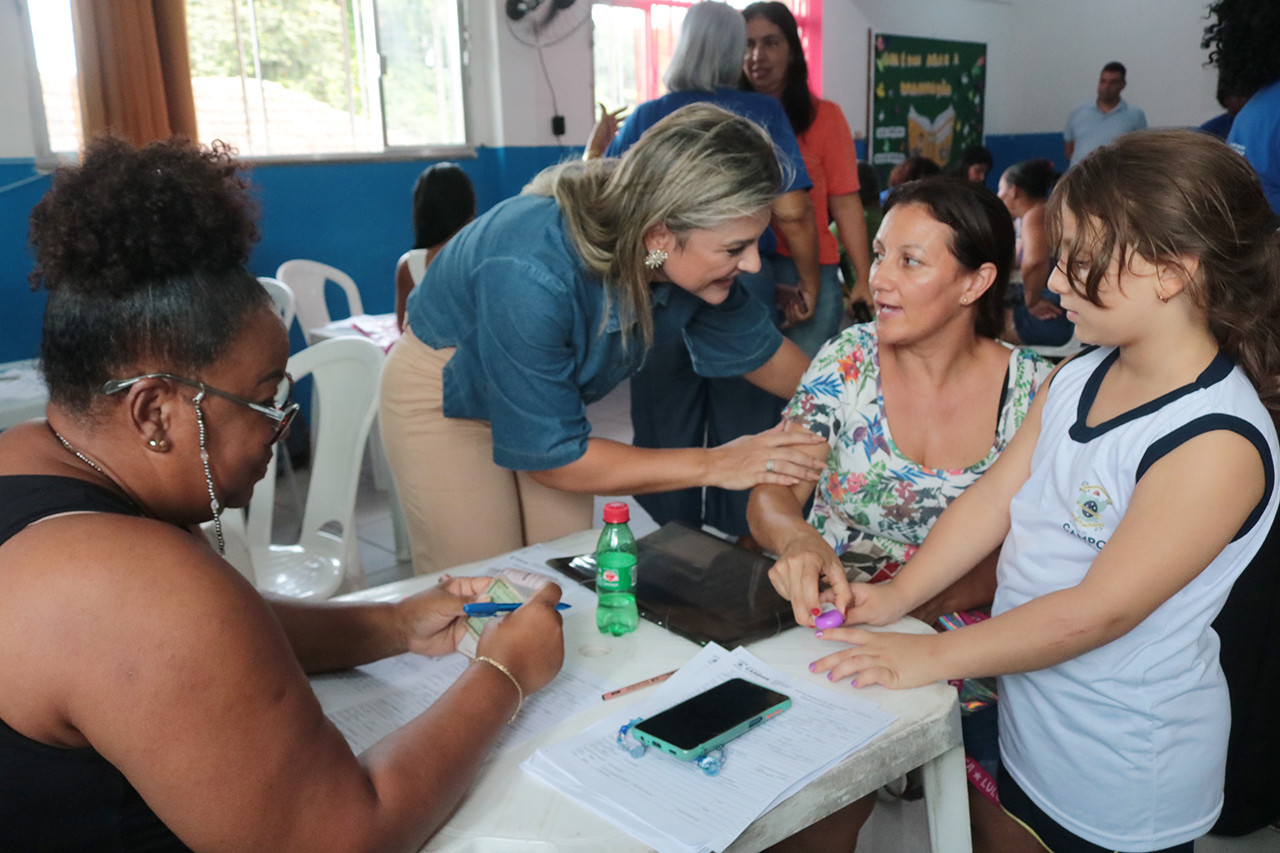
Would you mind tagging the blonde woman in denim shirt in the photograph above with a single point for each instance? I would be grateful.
(548, 301)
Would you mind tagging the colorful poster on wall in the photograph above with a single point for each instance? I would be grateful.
(926, 99)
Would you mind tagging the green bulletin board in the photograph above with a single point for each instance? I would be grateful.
(926, 98)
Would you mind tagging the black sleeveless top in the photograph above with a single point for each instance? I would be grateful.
(53, 798)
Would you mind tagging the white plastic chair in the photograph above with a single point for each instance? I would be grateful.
(307, 280)
(347, 372)
(282, 295)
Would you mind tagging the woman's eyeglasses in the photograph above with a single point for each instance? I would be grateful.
(282, 412)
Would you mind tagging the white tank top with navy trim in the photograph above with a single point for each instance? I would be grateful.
(1125, 745)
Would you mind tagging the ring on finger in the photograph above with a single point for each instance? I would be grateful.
(768, 465)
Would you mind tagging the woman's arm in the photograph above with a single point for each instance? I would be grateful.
(404, 286)
(781, 374)
(776, 516)
(604, 131)
(971, 528)
(793, 217)
(331, 635)
(613, 468)
(1184, 511)
(191, 689)
(1035, 267)
(851, 222)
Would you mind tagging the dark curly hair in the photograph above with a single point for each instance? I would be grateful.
(981, 233)
(142, 252)
(1171, 194)
(1242, 42)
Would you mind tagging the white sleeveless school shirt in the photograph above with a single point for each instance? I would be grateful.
(1124, 745)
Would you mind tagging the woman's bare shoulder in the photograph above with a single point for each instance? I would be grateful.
(91, 595)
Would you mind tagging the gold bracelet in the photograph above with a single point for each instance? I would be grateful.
(502, 669)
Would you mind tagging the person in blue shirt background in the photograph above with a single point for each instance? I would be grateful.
(548, 301)
(1242, 46)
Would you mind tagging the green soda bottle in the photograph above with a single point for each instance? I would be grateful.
(616, 612)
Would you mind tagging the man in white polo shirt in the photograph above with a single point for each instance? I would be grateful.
(1095, 123)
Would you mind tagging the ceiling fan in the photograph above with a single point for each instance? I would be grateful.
(539, 23)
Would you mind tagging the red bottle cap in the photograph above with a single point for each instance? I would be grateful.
(616, 513)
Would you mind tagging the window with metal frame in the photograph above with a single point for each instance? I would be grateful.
(281, 78)
(634, 39)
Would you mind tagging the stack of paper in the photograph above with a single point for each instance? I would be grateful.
(671, 804)
(371, 701)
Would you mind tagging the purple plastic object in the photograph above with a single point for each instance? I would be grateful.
(830, 619)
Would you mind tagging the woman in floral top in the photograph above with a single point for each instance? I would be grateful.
(914, 406)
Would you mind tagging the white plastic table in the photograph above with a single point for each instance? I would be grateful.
(508, 811)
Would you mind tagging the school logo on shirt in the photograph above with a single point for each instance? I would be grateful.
(1091, 502)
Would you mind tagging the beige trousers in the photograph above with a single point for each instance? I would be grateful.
(459, 504)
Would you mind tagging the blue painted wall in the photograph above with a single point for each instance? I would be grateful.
(354, 216)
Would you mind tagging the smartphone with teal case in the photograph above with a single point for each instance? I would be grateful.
(710, 719)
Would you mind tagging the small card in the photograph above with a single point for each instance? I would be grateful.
(509, 586)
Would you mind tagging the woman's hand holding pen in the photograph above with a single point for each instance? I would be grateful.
(529, 641)
(432, 622)
(773, 456)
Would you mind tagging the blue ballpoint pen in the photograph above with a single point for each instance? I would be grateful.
(492, 608)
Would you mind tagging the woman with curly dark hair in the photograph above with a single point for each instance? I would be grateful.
(149, 697)
(1242, 44)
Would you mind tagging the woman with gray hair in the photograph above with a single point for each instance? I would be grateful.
(548, 301)
(672, 403)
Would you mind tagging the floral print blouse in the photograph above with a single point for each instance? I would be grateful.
(873, 504)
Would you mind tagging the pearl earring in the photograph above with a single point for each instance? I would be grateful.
(158, 444)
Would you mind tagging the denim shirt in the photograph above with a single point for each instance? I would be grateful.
(538, 338)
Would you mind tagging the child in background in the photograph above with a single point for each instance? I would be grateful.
(443, 201)
(1136, 491)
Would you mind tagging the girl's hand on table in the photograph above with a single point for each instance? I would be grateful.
(798, 577)
(432, 622)
(529, 641)
(894, 660)
(772, 456)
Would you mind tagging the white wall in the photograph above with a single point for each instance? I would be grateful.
(1043, 58)
(1043, 55)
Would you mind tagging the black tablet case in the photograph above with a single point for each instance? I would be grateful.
(700, 586)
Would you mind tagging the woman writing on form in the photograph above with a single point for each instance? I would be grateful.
(150, 699)
(547, 302)
(1137, 490)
